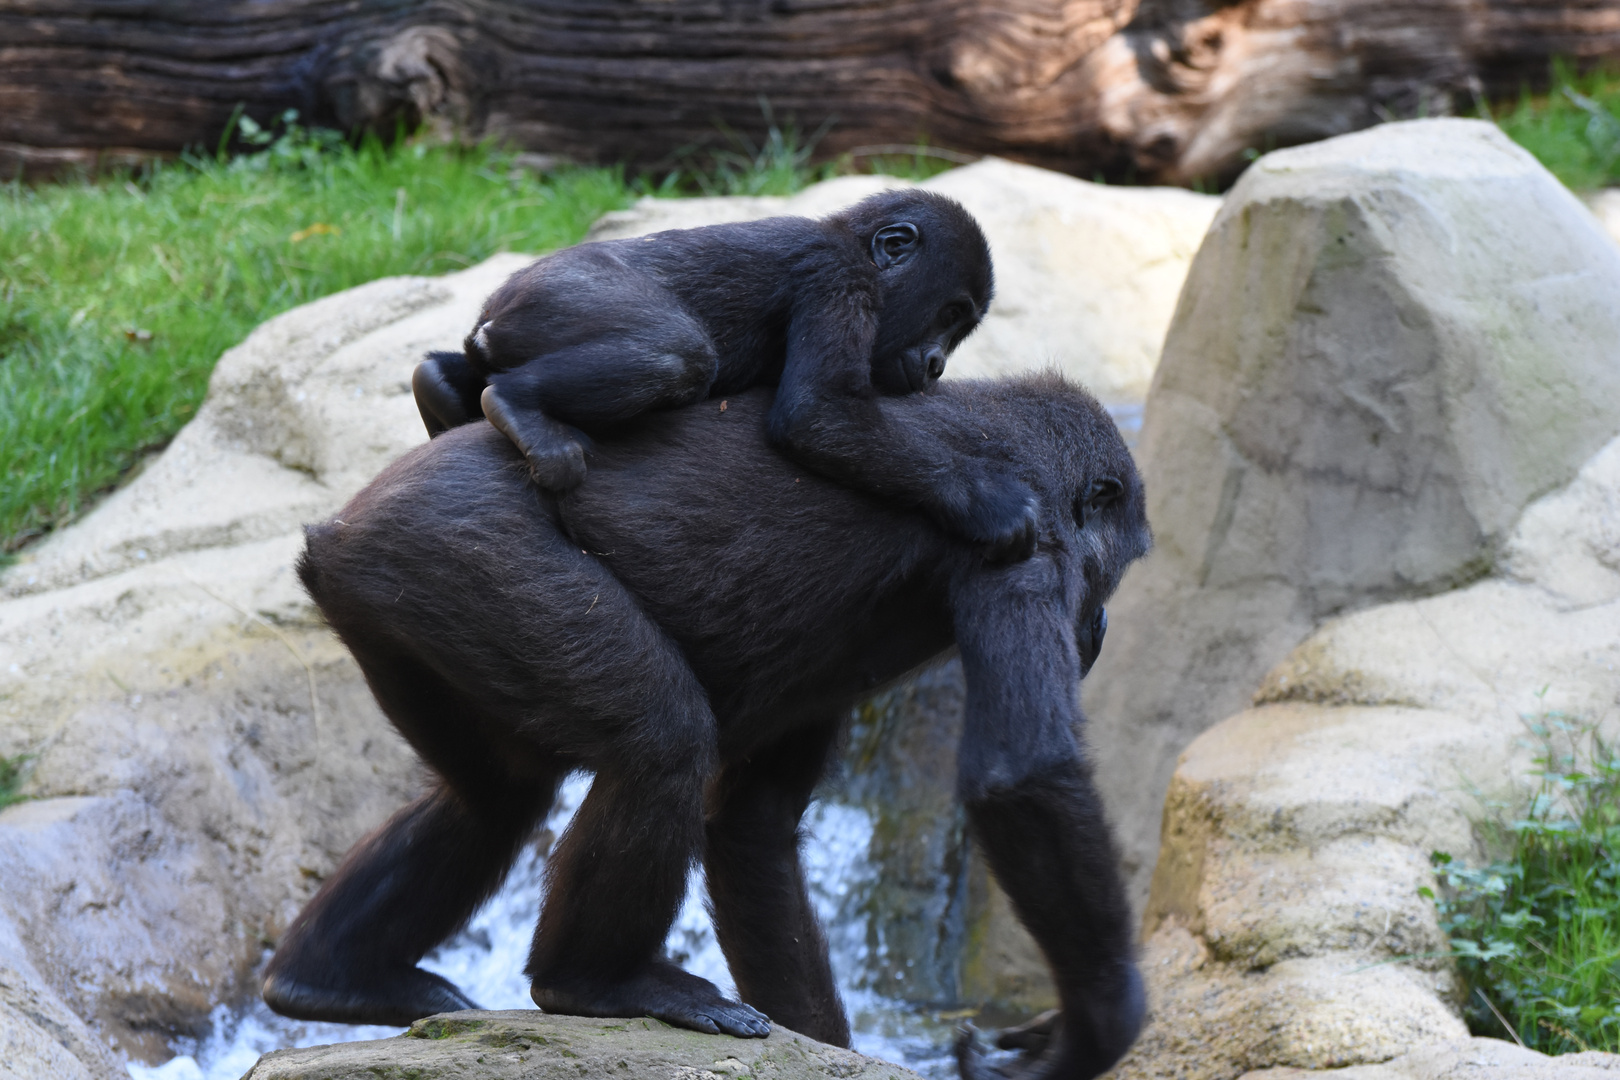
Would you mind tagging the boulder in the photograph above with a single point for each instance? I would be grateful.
(1284, 925)
(1389, 344)
(535, 1046)
(1086, 274)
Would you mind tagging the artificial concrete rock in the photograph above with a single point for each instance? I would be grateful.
(536, 1046)
(1285, 926)
(1389, 344)
(1086, 275)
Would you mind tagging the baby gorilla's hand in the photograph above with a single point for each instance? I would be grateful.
(1001, 518)
(554, 451)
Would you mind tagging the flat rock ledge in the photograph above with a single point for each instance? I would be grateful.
(537, 1046)
(1468, 1059)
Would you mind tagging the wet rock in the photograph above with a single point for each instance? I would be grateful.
(535, 1045)
(1086, 275)
(1389, 344)
(1468, 1059)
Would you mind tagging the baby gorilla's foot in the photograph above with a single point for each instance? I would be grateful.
(553, 450)
(663, 991)
(397, 999)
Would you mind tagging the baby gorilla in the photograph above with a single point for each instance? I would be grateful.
(835, 313)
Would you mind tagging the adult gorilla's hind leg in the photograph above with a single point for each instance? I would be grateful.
(619, 873)
(351, 955)
(762, 913)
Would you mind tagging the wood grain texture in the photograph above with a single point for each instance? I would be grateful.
(1165, 90)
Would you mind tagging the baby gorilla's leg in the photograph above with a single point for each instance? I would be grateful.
(596, 383)
(555, 452)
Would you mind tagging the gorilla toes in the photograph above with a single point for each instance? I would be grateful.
(1002, 519)
(665, 992)
(554, 451)
(397, 1001)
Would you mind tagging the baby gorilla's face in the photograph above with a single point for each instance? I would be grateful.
(914, 340)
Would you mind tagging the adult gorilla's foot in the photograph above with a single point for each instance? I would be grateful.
(398, 1000)
(665, 992)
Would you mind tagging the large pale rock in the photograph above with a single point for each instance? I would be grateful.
(1388, 345)
(202, 750)
(535, 1046)
(1297, 834)
(1086, 274)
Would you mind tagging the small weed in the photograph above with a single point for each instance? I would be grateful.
(1573, 129)
(11, 776)
(1537, 934)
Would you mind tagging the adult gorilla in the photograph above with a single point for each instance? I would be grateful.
(693, 624)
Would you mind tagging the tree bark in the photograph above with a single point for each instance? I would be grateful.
(1157, 90)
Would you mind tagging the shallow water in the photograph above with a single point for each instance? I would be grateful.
(486, 959)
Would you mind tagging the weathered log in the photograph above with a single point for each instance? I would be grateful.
(1163, 90)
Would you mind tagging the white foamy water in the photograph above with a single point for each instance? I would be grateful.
(486, 959)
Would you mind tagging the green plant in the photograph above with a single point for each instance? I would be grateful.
(11, 770)
(1574, 129)
(1537, 934)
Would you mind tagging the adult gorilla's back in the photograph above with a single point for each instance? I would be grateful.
(693, 623)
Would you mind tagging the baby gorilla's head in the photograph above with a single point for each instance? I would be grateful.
(935, 282)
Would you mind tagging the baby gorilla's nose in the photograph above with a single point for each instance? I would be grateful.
(936, 362)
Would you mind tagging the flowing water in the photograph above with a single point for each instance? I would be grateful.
(486, 959)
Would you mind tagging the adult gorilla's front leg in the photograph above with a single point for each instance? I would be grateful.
(762, 914)
(1033, 809)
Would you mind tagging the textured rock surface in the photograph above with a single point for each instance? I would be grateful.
(202, 749)
(1086, 275)
(1470, 1059)
(535, 1046)
(1390, 343)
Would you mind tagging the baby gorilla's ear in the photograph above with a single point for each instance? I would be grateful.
(894, 244)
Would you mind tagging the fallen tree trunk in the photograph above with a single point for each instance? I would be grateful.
(1160, 90)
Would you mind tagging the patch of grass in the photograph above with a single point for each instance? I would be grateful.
(1574, 129)
(1537, 934)
(118, 294)
(11, 770)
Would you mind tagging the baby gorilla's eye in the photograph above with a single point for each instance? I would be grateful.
(953, 313)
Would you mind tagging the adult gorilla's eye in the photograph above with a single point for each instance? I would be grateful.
(1098, 494)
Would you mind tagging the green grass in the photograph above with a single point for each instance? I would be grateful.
(1574, 129)
(117, 295)
(1537, 934)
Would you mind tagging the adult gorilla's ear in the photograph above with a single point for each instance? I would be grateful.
(1098, 494)
(894, 244)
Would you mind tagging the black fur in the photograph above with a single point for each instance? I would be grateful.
(836, 313)
(693, 623)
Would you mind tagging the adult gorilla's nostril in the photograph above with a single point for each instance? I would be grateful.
(936, 363)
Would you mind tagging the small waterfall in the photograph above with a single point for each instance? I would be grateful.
(486, 958)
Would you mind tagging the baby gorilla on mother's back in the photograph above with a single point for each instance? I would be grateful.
(836, 313)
